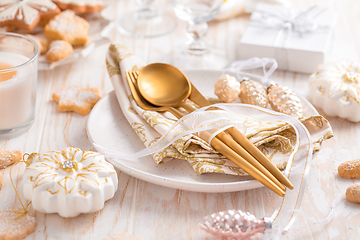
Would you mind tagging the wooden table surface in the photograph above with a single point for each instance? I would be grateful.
(155, 212)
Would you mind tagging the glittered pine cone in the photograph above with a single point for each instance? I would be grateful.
(254, 93)
(284, 100)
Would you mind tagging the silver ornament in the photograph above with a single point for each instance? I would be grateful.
(234, 224)
(284, 100)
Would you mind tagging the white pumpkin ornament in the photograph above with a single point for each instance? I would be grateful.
(335, 88)
(227, 88)
(68, 182)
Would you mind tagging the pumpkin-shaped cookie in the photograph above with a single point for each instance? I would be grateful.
(335, 88)
(68, 182)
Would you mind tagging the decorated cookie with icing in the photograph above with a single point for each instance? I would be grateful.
(68, 182)
(335, 88)
(81, 6)
(25, 14)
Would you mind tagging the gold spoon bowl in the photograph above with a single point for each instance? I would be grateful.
(163, 85)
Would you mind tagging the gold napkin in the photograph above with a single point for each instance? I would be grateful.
(276, 139)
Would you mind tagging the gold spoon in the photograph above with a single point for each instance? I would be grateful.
(159, 75)
(158, 88)
(244, 147)
(141, 102)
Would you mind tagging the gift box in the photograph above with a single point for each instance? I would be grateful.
(298, 39)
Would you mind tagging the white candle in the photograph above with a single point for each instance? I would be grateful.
(17, 94)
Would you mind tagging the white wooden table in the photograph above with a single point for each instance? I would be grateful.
(155, 212)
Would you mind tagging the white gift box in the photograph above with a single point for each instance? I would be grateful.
(298, 39)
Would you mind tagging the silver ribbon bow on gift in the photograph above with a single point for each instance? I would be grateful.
(287, 22)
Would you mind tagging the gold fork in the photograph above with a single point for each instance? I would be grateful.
(275, 175)
(216, 143)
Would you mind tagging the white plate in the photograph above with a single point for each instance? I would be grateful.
(108, 127)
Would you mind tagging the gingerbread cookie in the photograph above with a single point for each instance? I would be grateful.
(122, 236)
(12, 227)
(26, 14)
(77, 99)
(69, 27)
(58, 50)
(9, 157)
(81, 6)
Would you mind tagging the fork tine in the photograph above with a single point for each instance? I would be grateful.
(133, 78)
(132, 88)
(136, 74)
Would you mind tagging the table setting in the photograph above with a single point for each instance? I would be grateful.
(178, 119)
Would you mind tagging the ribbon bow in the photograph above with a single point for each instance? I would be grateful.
(286, 21)
(289, 20)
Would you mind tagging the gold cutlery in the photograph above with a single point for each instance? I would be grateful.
(216, 143)
(201, 101)
(157, 87)
(178, 84)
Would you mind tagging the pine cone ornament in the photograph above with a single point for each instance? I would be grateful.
(252, 92)
(234, 224)
(284, 100)
(227, 88)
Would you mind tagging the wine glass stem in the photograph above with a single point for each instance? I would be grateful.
(195, 33)
(146, 10)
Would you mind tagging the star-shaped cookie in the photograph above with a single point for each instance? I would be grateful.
(77, 99)
(69, 27)
(26, 14)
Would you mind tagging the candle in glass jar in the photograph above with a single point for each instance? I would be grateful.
(16, 90)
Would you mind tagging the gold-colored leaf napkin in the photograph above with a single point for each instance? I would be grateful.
(276, 139)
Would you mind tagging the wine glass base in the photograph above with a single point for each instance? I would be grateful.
(131, 25)
(214, 59)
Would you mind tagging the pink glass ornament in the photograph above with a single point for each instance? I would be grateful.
(234, 224)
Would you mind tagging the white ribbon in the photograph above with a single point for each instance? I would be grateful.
(286, 22)
(301, 23)
(237, 67)
(298, 165)
(253, 63)
(197, 121)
